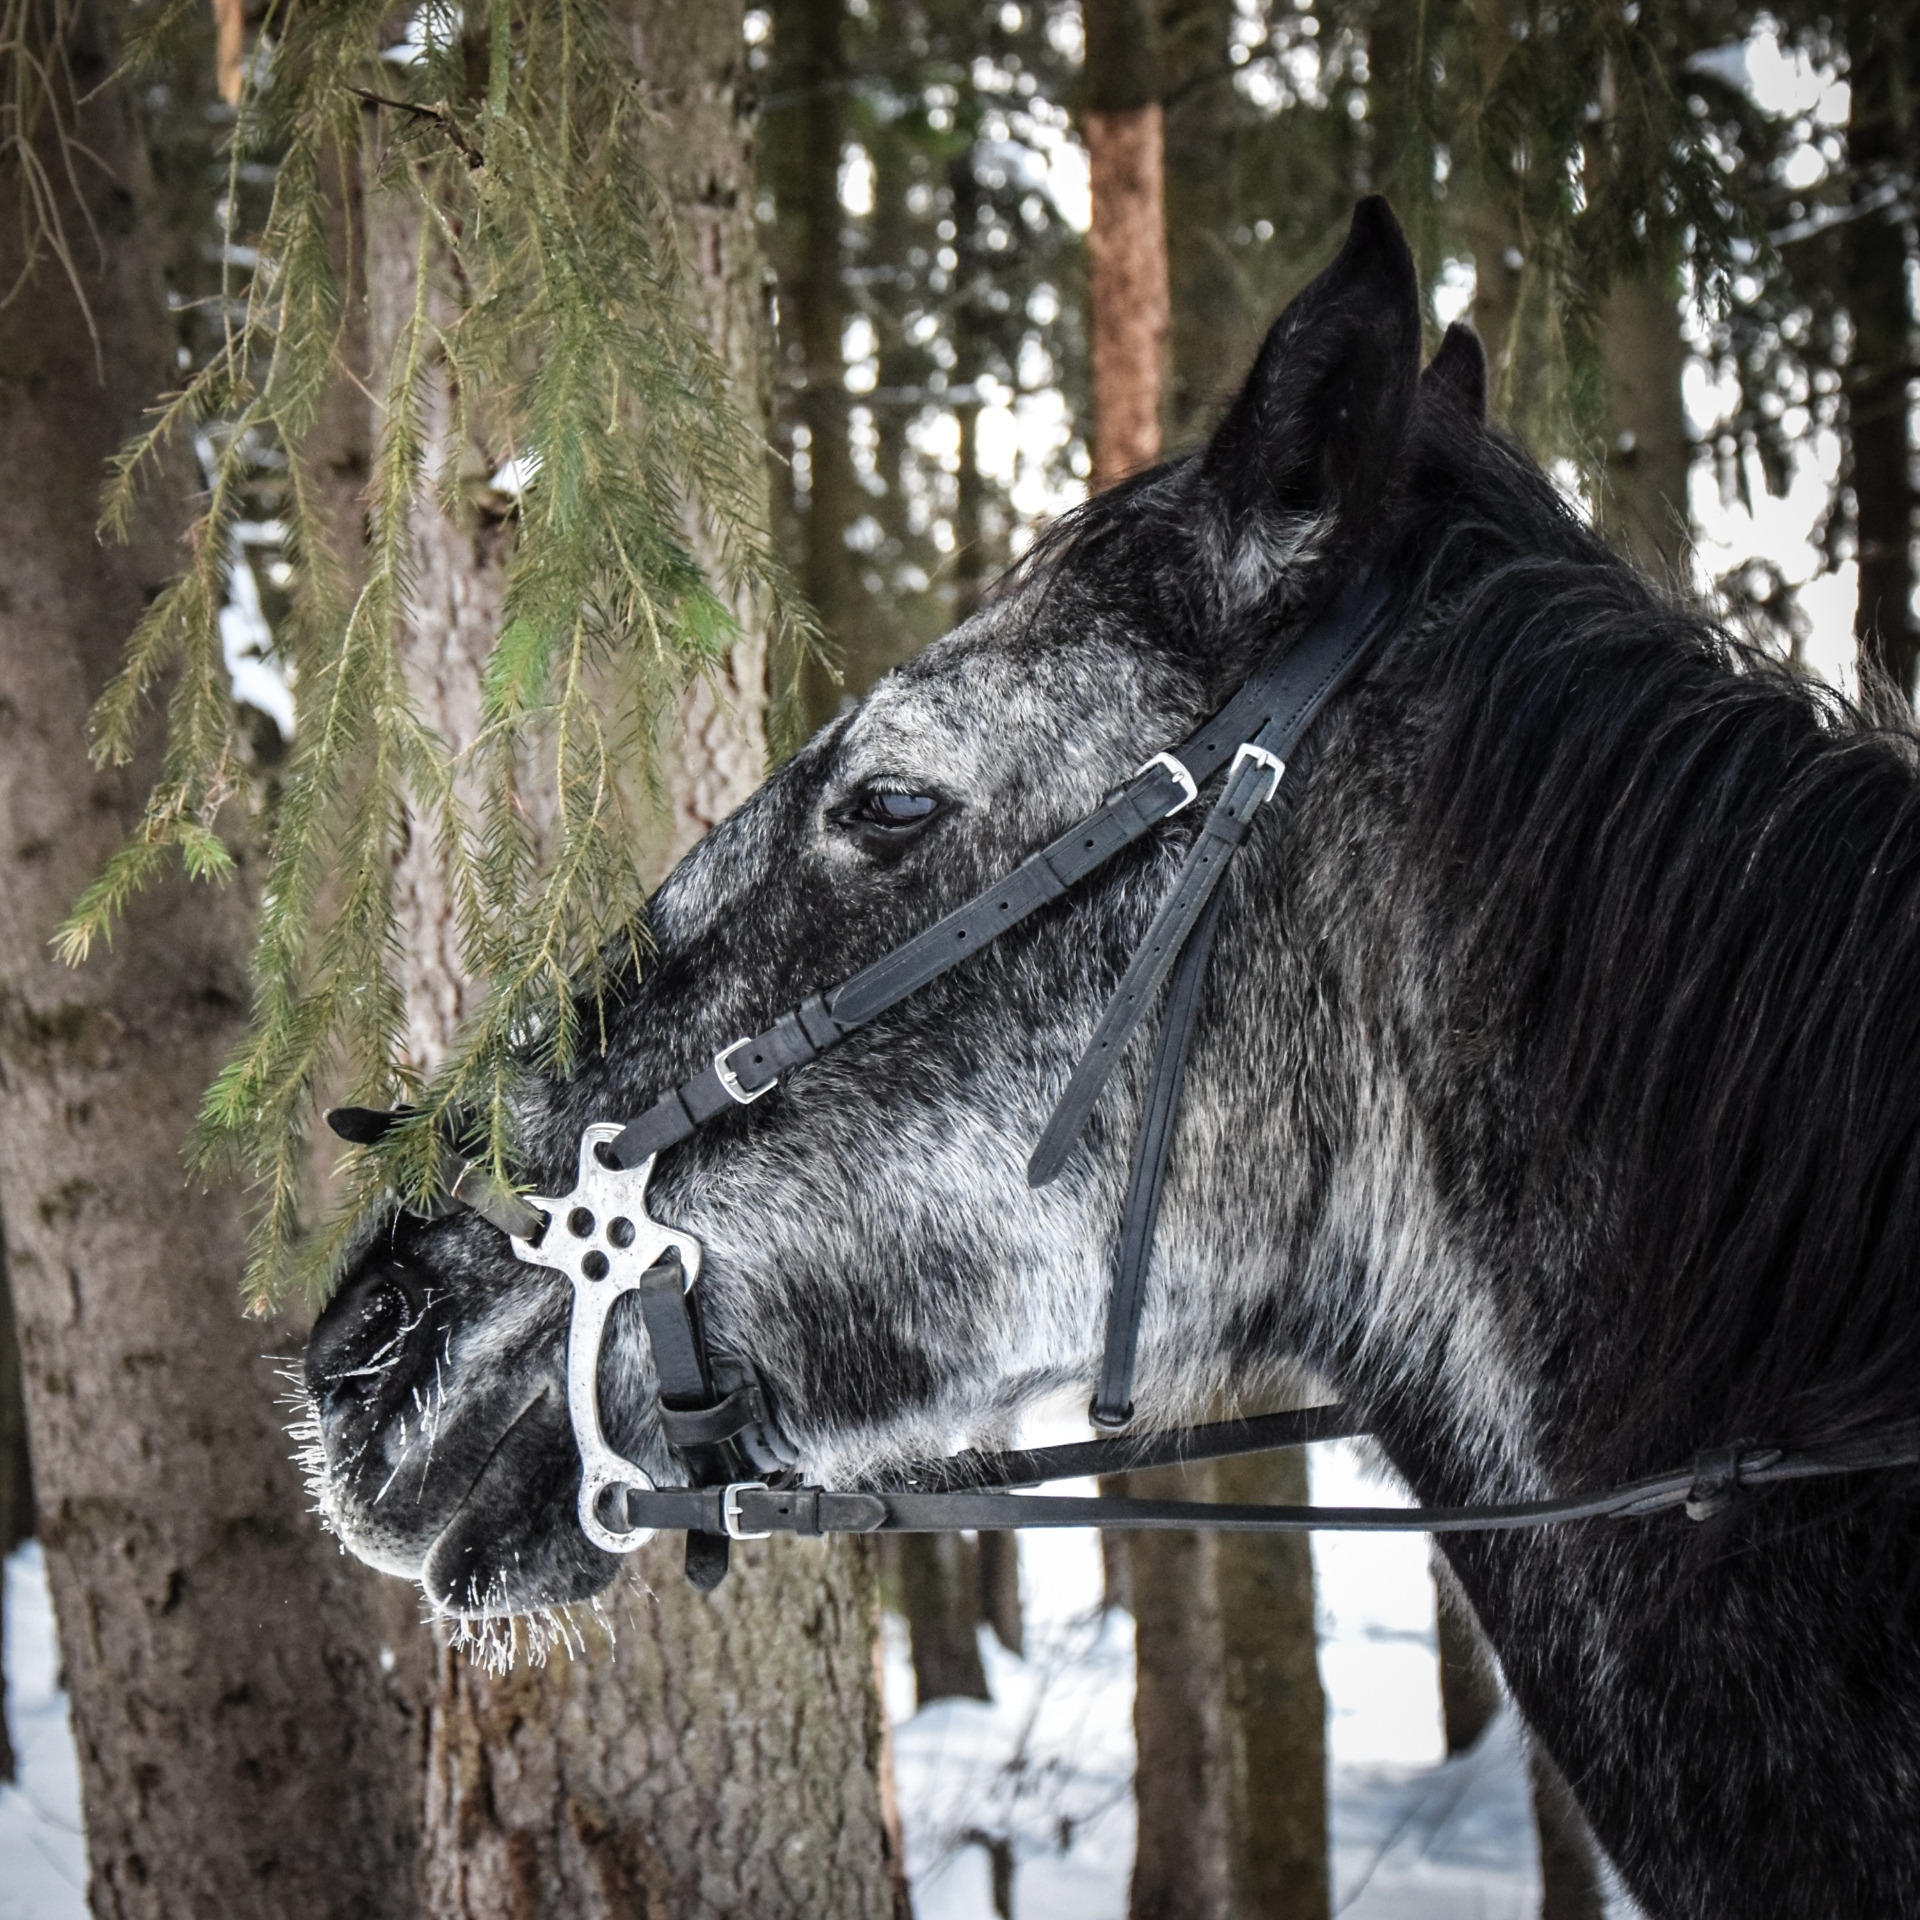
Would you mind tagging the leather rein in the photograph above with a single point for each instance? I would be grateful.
(714, 1411)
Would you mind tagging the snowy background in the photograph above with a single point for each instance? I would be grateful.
(1048, 1762)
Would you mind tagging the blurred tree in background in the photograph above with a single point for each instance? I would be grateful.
(928, 278)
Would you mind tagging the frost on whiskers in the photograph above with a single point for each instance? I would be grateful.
(497, 1641)
(490, 1636)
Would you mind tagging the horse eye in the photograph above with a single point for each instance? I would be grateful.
(887, 807)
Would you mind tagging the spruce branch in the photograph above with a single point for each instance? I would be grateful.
(549, 315)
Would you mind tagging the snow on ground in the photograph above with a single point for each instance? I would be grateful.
(43, 1854)
(1048, 1763)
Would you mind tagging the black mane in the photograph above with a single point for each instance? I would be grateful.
(1682, 883)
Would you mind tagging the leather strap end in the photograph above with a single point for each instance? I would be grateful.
(365, 1126)
(708, 1557)
(664, 1124)
(711, 1426)
(498, 1206)
(1050, 1152)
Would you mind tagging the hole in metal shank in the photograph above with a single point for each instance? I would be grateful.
(595, 1265)
(620, 1232)
(580, 1222)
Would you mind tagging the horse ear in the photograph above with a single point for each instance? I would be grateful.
(1459, 370)
(1320, 421)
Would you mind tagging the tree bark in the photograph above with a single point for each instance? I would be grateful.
(1215, 326)
(1181, 1867)
(720, 1756)
(718, 1759)
(1647, 449)
(1274, 1709)
(809, 132)
(1127, 246)
(1000, 1589)
(1469, 1679)
(1883, 135)
(240, 1751)
(940, 1594)
(16, 1478)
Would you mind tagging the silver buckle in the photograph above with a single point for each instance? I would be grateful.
(730, 1509)
(730, 1081)
(1275, 766)
(1178, 768)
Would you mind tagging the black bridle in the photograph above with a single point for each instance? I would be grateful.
(714, 1412)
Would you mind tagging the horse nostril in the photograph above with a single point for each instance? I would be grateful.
(580, 1223)
(360, 1347)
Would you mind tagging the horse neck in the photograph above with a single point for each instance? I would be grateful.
(1628, 1160)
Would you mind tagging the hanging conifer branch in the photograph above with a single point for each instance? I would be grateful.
(547, 303)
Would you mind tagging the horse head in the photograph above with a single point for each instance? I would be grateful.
(871, 1241)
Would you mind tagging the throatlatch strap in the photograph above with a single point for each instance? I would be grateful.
(1112, 1406)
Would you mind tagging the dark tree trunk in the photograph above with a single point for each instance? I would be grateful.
(1000, 1589)
(718, 1759)
(240, 1751)
(1181, 1868)
(807, 131)
(1274, 1709)
(1470, 1694)
(969, 529)
(1216, 327)
(1647, 447)
(1469, 1676)
(1883, 138)
(1269, 1752)
(940, 1594)
(1570, 1885)
(16, 1478)
(721, 1756)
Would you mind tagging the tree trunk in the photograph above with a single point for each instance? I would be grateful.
(809, 134)
(240, 1752)
(1470, 1693)
(1127, 247)
(1181, 1868)
(1647, 448)
(1469, 1679)
(16, 1479)
(718, 1759)
(940, 1595)
(1274, 1710)
(1262, 1692)
(1000, 1589)
(969, 518)
(1127, 302)
(1883, 136)
(721, 1755)
(1216, 328)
